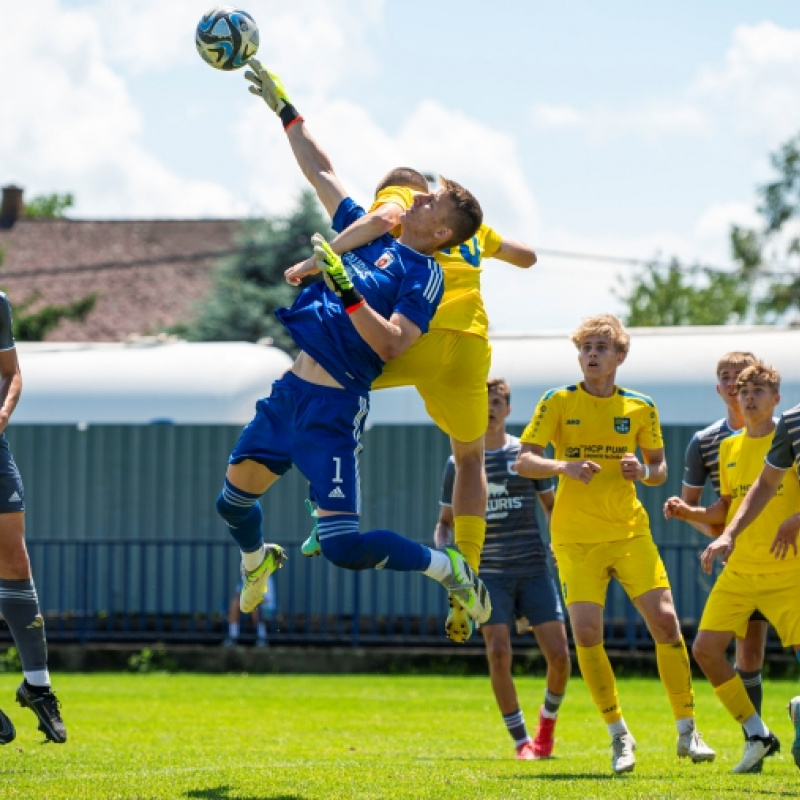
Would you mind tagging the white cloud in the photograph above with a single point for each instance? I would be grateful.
(561, 116)
(714, 225)
(758, 87)
(431, 138)
(755, 91)
(321, 41)
(652, 120)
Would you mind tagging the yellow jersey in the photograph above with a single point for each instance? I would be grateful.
(741, 458)
(461, 307)
(583, 427)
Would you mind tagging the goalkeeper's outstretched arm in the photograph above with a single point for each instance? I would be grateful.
(313, 160)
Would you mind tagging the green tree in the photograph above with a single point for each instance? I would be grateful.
(248, 286)
(671, 294)
(49, 205)
(33, 326)
(770, 253)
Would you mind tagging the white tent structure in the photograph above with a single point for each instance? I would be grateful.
(144, 382)
(675, 366)
(218, 383)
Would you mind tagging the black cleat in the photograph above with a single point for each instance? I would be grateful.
(7, 732)
(46, 707)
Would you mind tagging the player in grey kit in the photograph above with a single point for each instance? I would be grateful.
(18, 602)
(514, 569)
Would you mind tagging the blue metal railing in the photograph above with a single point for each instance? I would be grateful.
(178, 591)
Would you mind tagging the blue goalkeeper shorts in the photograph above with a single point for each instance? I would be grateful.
(316, 428)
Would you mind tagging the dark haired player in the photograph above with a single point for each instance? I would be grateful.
(19, 604)
(371, 307)
(514, 569)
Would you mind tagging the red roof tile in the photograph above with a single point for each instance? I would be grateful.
(141, 299)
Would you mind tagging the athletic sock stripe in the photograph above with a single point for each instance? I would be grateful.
(329, 530)
(18, 594)
(236, 499)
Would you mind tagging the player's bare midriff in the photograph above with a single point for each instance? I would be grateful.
(309, 369)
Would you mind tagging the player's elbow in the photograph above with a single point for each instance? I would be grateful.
(391, 350)
(385, 218)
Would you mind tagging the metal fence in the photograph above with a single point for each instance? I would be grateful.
(127, 546)
(149, 591)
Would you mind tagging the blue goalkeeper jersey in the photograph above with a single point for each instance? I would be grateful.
(391, 277)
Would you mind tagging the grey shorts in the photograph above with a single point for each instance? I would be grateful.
(534, 597)
(12, 495)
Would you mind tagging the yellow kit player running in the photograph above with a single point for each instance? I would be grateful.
(449, 365)
(759, 574)
(600, 529)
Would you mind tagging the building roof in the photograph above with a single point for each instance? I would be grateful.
(674, 366)
(210, 383)
(218, 382)
(63, 260)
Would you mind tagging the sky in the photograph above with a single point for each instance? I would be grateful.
(618, 128)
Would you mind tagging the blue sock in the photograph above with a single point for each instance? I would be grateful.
(345, 547)
(242, 514)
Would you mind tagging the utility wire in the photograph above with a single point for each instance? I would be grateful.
(215, 254)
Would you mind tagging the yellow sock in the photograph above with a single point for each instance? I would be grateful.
(675, 673)
(469, 533)
(733, 696)
(599, 677)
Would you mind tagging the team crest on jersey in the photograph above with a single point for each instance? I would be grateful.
(511, 468)
(385, 260)
(622, 424)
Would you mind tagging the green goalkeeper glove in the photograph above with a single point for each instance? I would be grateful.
(334, 273)
(269, 88)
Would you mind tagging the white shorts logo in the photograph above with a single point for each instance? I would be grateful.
(337, 492)
(15, 498)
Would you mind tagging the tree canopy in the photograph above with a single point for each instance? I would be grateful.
(764, 283)
(249, 285)
(49, 205)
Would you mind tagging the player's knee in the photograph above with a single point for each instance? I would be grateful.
(499, 655)
(559, 660)
(348, 552)
(468, 457)
(701, 651)
(233, 510)
(749, 657)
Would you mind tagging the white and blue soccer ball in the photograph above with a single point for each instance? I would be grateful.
(226, 37)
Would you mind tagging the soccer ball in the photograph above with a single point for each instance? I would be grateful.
(226, 37)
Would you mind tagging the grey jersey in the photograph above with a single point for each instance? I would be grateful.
(513, 544)
(702, 455)
(6, 336)
(785, 450)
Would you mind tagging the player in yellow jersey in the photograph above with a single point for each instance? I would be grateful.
(449, 365)
(757, 575)
(599, 528)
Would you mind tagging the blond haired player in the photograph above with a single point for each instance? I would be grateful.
(600, 529)
(449, 366)
(702, 465)
(758, 574)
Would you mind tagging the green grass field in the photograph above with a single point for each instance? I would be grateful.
(291, 737)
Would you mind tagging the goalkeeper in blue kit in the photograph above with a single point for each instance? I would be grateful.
(373, 304)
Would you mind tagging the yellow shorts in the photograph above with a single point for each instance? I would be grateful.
(449, 369)
(736, 595)
(585, 569)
